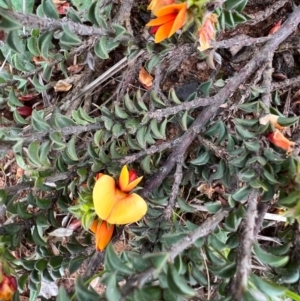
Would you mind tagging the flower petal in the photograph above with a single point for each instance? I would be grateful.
(179, 21)
(272, 119)
(103, 232)
(124, 178)
(132, 184)
(171, 9)
(155, 5)
(104, 197)
(161, 20)
(163, 32)
(128, 209)
(279, 140)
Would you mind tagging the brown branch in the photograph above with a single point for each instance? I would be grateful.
(266, 12)
(203, 230)
(262, 209)
(240, 282)
(47, 24)
(20, 187)
(286, 29)
(286, 83)
(267, 82)
(150, 151)
(175, 190)
(240, 40)
(66, 131)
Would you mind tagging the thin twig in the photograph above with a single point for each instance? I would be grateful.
(240, 283)
(175, 190)
(240, 40)
(267, 82)
(47, 24)
(286, 83)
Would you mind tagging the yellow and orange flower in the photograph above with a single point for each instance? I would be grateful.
(155, 5)
(8, 286)
(207, 31)
(170, 18)
(278, 139)
(103, 232)
(113, 203)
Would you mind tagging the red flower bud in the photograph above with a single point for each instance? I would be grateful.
(7, 287)
(24, 111)
(132, 175)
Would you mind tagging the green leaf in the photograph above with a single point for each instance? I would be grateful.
(69, 38)
(158, 260)
(290, 200)
(38, 86)
(37, 238)
(114, 263)
(241, 194)
(38, 121)
(112, 292)
(44, 43)
(8, 23)
(120, 30)
(62, 294)
(177, 283)
(184, 206)
(172, 238)
(82, 5)
(94, 15)
(205, 87)
(202, 159)
(13, 100)
(83, 292)
(285, 121)
(71, 148)
(49, 9)
(104, 46)
(14, 42)
(225, 271)
(55, 262)
(140, 136)
(33, 153)
(232, 4)
(268, 258)
(76, 263)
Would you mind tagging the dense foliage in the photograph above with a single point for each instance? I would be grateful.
(87, 88)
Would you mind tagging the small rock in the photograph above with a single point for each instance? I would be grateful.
(183, 92)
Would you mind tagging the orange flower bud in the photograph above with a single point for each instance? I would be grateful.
(103, 233)
(7, 287)
(280, 141)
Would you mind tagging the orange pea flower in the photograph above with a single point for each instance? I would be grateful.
(272, 119)
(103, 232)
(170, 18)
(207, 31)
(113, 203)
(155, 5)
(8, 286)
(280, 141)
